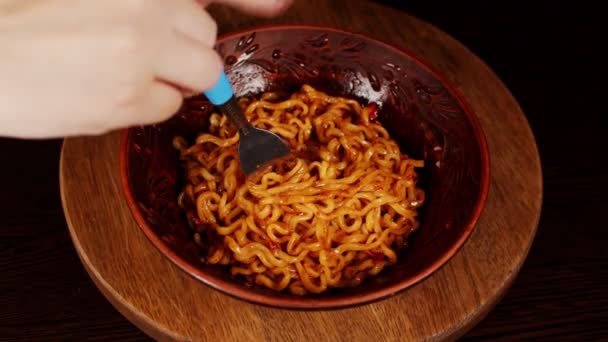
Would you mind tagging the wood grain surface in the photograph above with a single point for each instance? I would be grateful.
(547, 57)
(167, 304)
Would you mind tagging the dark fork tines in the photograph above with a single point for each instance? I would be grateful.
(259, 147)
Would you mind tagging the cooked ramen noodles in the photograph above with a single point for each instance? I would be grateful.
(333, 214)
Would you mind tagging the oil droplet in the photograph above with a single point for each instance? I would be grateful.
(252, 48)
(276, 54)
(250, 39)
(320, 41)
(373, 80)
(388, 75)
(241, 44)
(357, 46)
(230, 60)
(309, 69)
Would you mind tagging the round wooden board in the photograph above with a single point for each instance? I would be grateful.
(168, 304)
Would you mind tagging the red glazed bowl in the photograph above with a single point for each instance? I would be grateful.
(419, 108)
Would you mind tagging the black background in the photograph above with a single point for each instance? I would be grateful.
(550, 55)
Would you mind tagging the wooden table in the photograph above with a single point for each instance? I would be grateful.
(560, 292)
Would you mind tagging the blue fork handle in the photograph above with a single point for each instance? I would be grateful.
(221, 92)
(221, 95)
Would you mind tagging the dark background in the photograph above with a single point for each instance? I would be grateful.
(548, 55)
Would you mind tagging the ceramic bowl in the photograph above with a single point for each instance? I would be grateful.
(419, 107)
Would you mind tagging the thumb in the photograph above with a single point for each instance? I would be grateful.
(264, 8)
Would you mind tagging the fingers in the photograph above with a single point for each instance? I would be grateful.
(264, 8)
(160, 103)
(191, 19)
(188, 61)
(189, 64)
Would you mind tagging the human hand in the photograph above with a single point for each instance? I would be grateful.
(81, 67)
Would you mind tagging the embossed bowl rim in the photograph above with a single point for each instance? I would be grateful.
(307, 303)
